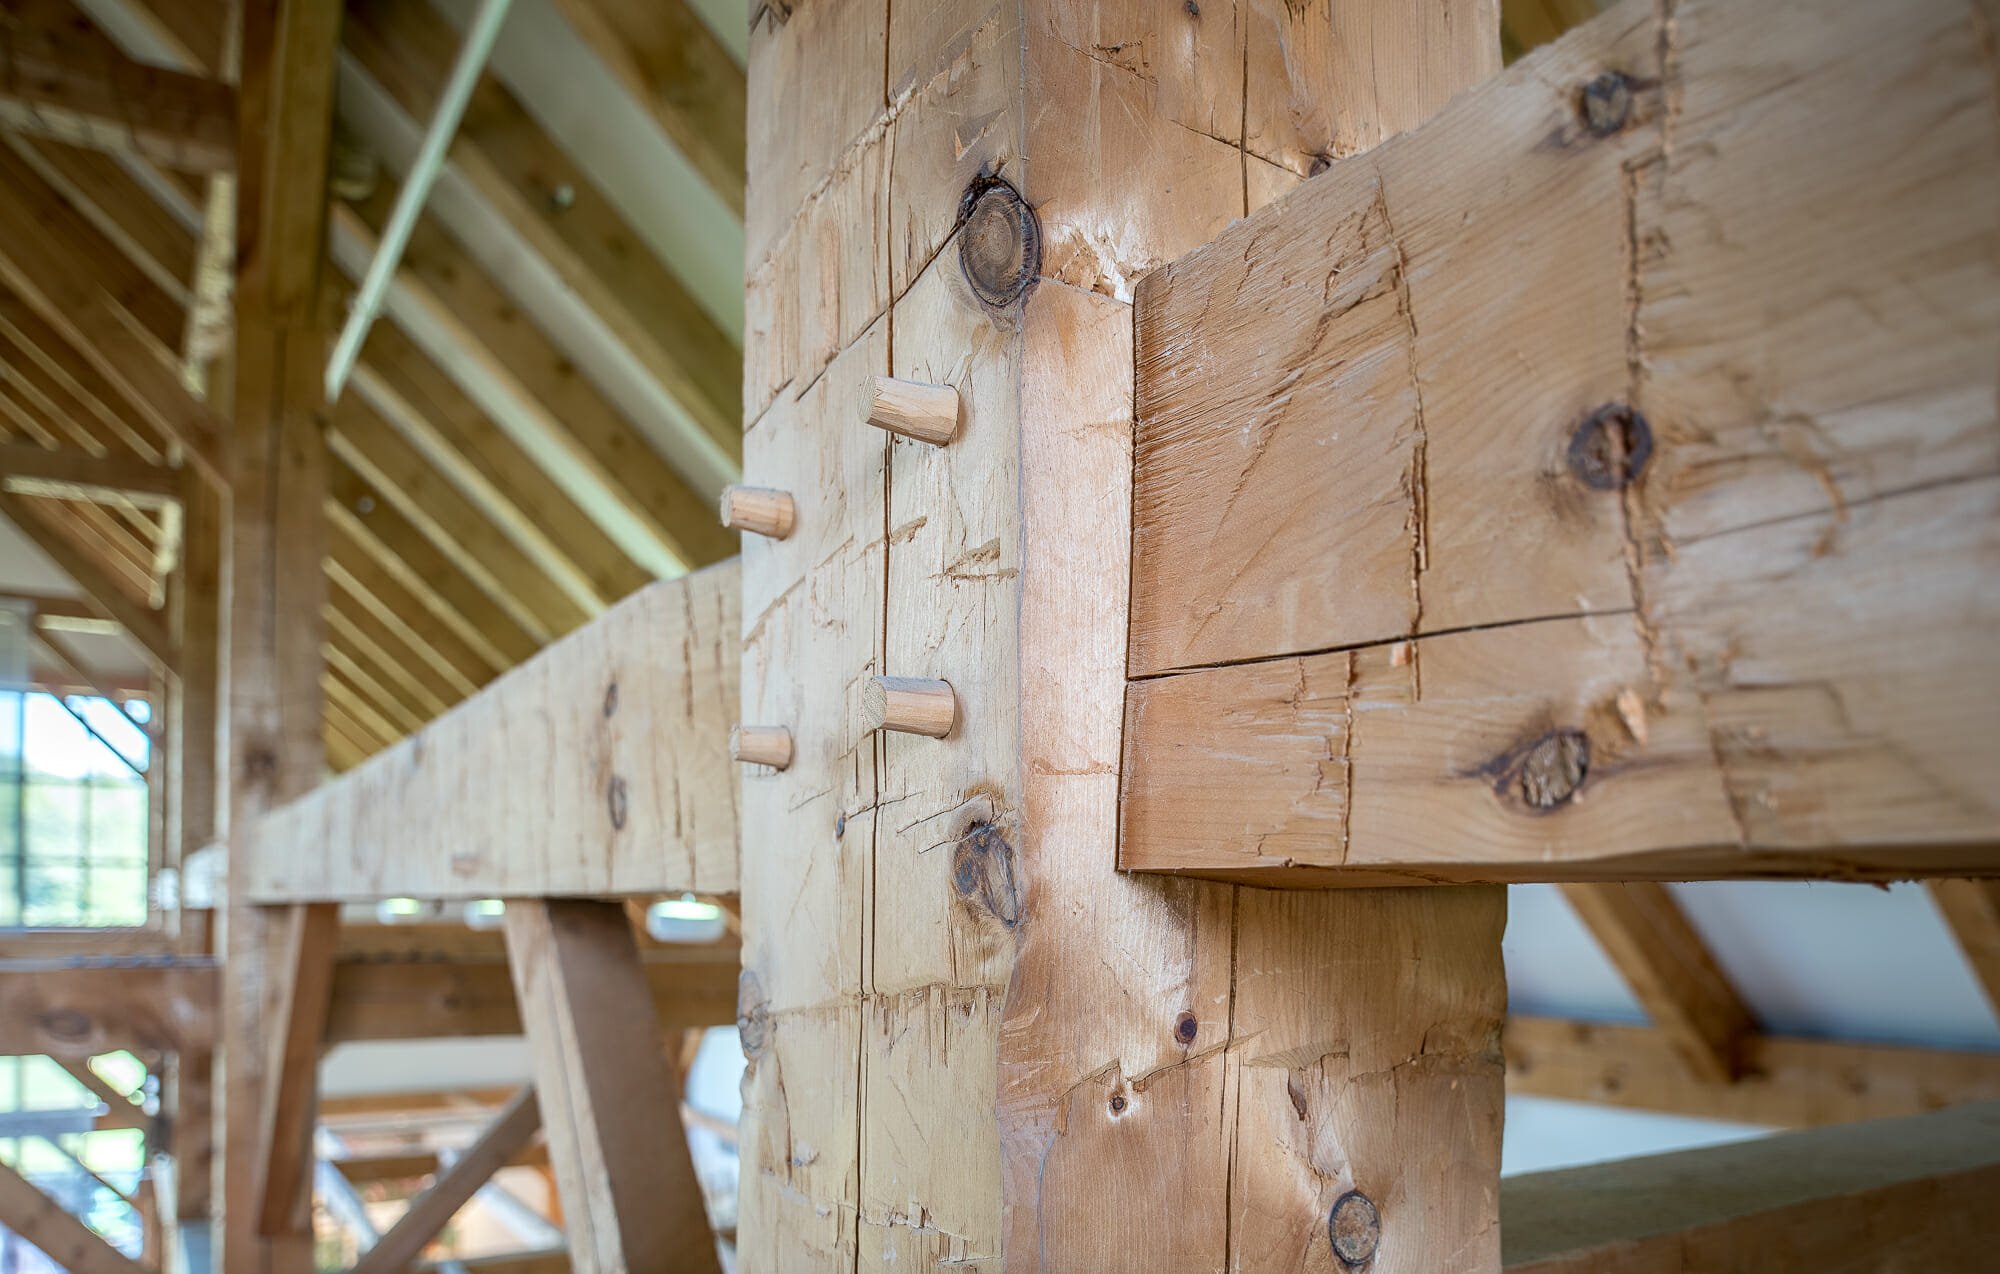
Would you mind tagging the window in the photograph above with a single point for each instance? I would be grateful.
(74, 813)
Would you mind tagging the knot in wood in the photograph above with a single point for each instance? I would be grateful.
(982, 873)
(1609, 450)
(1355, 1228)
(1553, 769)
(610, 701)
(753, 1016)
(1118, 1103)
(999, 242)
(614, 799)
(64, 1024)
(1606, 104)
(1186, 1027)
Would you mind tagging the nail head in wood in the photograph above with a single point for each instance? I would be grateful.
(927, 413)
(761, 745)
(758, 509)
(1355, 1227)
(910, 705)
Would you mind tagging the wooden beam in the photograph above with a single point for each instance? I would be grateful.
(380, 600)
(304, 981)
(389, 558)
(376, 1000)
(617, 738)
(403, 1165)
(1041, 1047)
(432, 1210)
(123, 210)
(1903, 1194)
(610, 1100)
(547, 198)
(277, 587)
(492, 332)
(82, 472)
(146, 626)
(54, 367)
(1972, 909)
(1670, 970)
(68, 1242)
(668, 59)
(1783, 1082)
(66, 80)
(85, 1006)
(57, 280)
(1467, 616)
(400, 473)
(120, 1110)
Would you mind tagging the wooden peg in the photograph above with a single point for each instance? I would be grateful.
(761, 745)
(910, 705)
(928, 413)
(758, 509)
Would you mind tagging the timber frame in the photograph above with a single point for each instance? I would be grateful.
(1214, 507)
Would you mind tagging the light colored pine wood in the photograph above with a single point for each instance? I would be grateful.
(616, 739)
(668, 59)
(52, 260)
(67, 80)
(275, 709)
(912, 409)
(430, 999)
(1905, 1194)
(543, 194)
(910, 705)
(1732, 634)
(1670, 970)
(383, 458)
(85, 1006)
(102, 189)
(304, 982)
(1972, 909)
(81, 471)
(487, 327)
(995, 1045)
(432, 1210)
(145, 625)
(435, 415)
(1785, 1082)
(761, 745)
(609, 1099)
(70, 1243)
(389, 559)
(759, 510)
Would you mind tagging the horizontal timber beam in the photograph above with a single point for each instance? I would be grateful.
(86, 1006)
(65, 80)
(444, 987)
(1783, 1082)
(692, 987)
(600, 766)
(1899, 1194)
(79, 469)
(1466, 548)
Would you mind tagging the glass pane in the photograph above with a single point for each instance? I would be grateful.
(118, 820)
(117, 896)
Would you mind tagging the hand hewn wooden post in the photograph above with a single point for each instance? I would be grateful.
(275, 591)
(969, 1035)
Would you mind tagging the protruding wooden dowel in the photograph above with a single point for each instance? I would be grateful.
(759, 509)
(910, 705)
(761, 745)
(928, 413)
